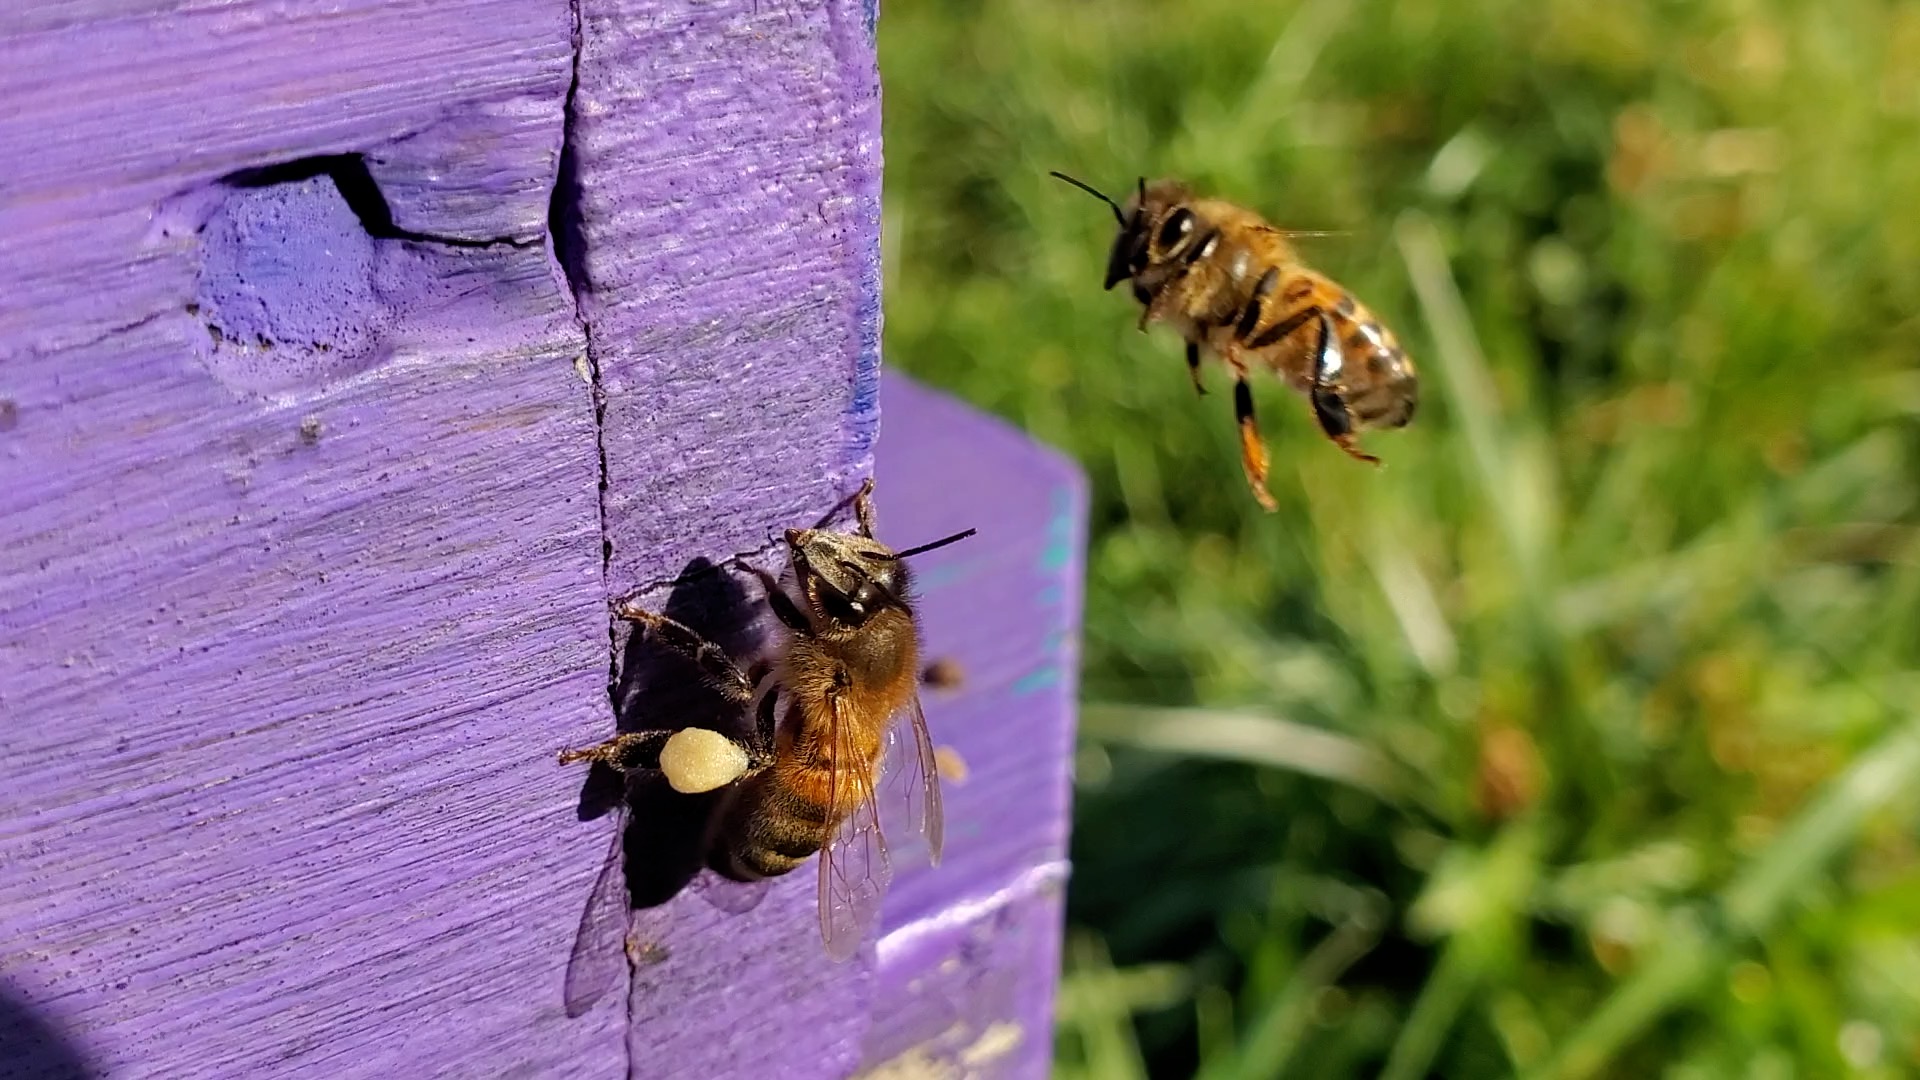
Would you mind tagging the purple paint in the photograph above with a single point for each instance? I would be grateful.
(730, 165)
(294, 616)
(286, 288)
(972, 948)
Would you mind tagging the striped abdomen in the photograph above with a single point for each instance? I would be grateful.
(776, 820)
(1281, 324)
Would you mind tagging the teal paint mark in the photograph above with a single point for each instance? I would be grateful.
(1039, 679)
(1059, 550)
(943, 575)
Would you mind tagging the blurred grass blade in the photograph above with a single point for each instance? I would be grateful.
(1096, 1010)
(1688, 957)
(1099, 995)
(1415, 606)
(1820, 831)
(1292, 58)
(1460, 369)
(1273, 90)
(1435, 1011)
(1245, 737)
(1282, 1026)
(1478, 899)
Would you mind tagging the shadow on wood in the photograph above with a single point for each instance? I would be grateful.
(657, 690)
(664, 834)
(32, 1047)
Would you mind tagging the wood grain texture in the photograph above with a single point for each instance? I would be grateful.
(727, 163)
(304, 424)
(302, 572)
(730, 162)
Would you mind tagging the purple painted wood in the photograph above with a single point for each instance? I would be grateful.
(972, 948)
(303, 435)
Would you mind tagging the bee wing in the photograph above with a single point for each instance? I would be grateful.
(599, 942)
(612, 936)
(854, 868)
(1291, 233)
(911, 778)
(730, 896)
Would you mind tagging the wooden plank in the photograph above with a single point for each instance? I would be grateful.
(971, 952)
(303, 433)
(728, 171)
(731, 156)
(295, 614)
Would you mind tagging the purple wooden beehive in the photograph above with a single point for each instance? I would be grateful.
(353, 353)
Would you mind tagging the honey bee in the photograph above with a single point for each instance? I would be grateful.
(1233, 285)
(807, 780)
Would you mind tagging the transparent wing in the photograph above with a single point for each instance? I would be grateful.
(854, 868)
(910, 780)
(599, 944)
(730, 896)
(1290, 233)
(612, 936)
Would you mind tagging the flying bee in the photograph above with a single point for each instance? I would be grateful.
(1233, 285)
(824, 710)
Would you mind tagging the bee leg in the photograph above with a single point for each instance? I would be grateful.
(1328, 406)
(715, 665)
(863, 508)
(1253, 452)
(760, 751)
(777, 599)
(625, 752)
(863, 496)
(1335, 421)
(1193, 367)
(1151, 302)
(1152, 311)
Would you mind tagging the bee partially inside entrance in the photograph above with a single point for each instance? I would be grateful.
(821, 738)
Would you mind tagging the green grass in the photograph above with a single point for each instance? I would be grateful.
(1583, 739)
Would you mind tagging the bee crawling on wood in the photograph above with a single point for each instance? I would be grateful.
(824, 712)
(1233, 285)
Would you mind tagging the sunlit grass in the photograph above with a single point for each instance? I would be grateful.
(1579, 740)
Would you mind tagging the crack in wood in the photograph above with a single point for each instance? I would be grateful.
(568, 238)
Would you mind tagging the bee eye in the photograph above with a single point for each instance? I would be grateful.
(850, 608)
(1175, 228)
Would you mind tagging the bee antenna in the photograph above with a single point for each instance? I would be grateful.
(943, 542)
(1096, 193)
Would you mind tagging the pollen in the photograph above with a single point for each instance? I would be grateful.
(696, 760)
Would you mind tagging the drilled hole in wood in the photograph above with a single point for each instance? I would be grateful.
(350, 177)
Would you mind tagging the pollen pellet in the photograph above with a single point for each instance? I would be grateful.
(823, 709)
(696, 760)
